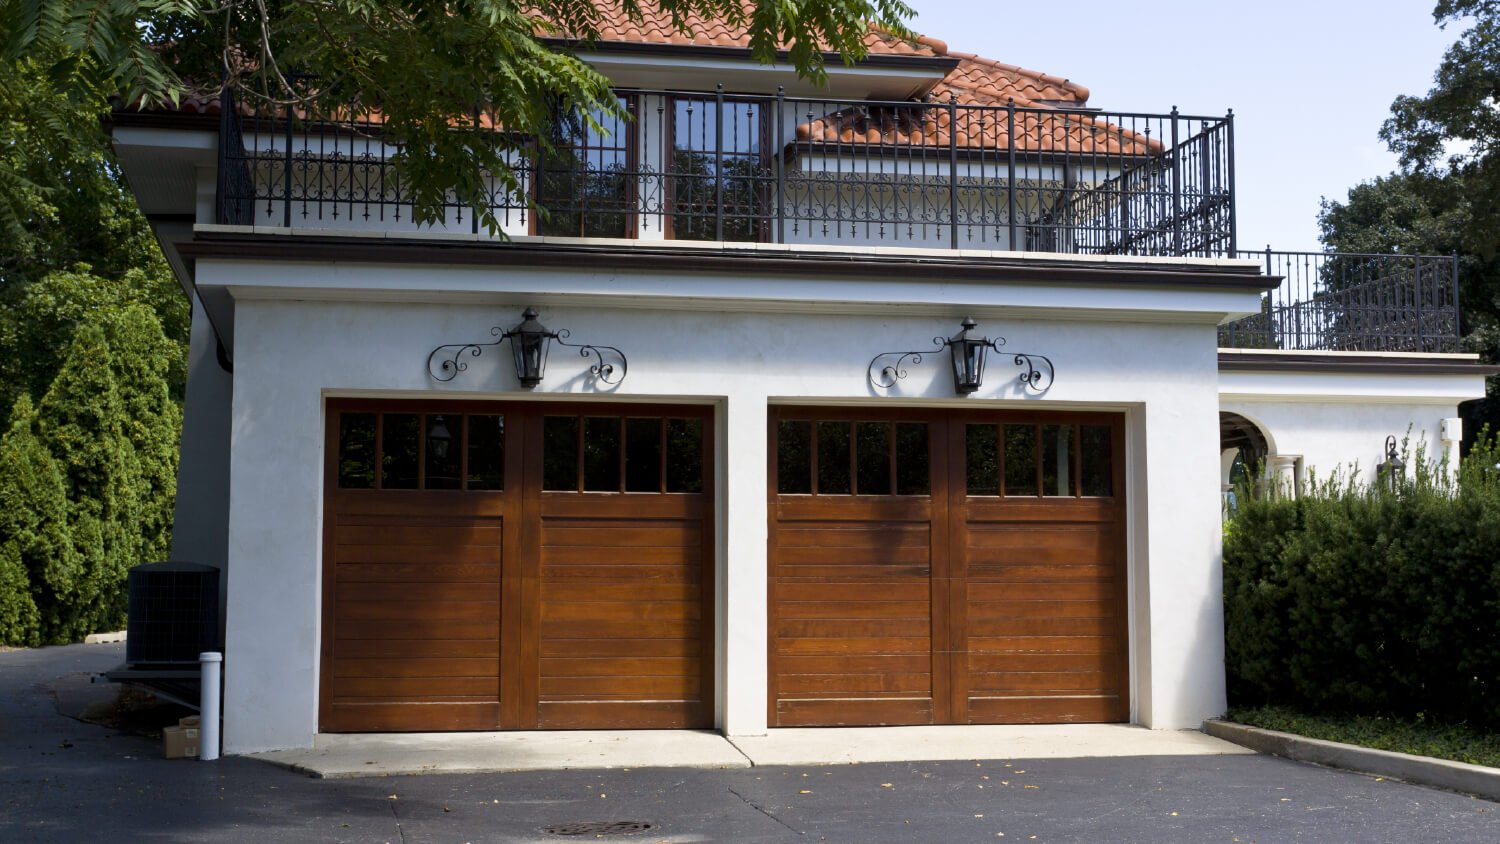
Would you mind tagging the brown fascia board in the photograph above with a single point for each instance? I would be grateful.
(1085, 272)
(1319, 362)
(706, 51)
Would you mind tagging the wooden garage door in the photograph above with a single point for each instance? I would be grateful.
(946, 567)
(505, 566)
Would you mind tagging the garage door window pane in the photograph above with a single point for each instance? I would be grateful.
(794, 458)
(486, 452)
(912, 470)
(684, 455)
(981, 463)
(874, 454)
(444, 444)
(1020, 460)
(398, 445)
(1057, 460)
(833, 458)
(643, 455)
(560, 453)
(1097, 459)
(601, 454)
(357, 450)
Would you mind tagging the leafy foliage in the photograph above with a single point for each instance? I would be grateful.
(1420, 736)
(429, 68)
(1370, 600)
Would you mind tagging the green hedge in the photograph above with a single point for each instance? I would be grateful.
(1361, 599)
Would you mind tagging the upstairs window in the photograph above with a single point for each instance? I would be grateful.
(719, 164)
(587, 182)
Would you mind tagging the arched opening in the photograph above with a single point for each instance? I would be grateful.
(1242, 454)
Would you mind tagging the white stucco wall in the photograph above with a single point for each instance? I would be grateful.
(291, 355)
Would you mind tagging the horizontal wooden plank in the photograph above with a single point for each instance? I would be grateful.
(854, 664)
(836, 555)
(835, 570)
(684, 687)
(374, 717)
(866, 645)
(795, 509)
(419, 597)
(412, 688)
(590, 629)
(1043, 644)
(1040, 609)
(449, 535)
(618, 666)
(789, 610)
(599, 648)
(1072, 590)
(1047, 710)
(621, 555)
(407, 572)
(567, 591)
(625, 574)
(797, 685)
(587, 506)
(1096, 682)
(839, 591)
(1002, 662)
(644, 611)
(415, 667)
(418, 554)
(1046, 626)
(853, 537)
(632, 715)
(422, 612)
(1025, 573)
(416, 649)
(840, 627)
(416, 628)
(853, 712)
(662, 535)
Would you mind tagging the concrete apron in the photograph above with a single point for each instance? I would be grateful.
(391, 754)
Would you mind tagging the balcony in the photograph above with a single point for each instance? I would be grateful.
(1349, 302)
(719, 167)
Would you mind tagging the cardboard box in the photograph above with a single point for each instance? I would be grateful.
(180, 742)
(190, 721)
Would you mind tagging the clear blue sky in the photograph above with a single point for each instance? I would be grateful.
(1310, 82)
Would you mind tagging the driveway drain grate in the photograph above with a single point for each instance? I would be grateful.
(599, 828)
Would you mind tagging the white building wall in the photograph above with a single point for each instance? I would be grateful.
(291, 355)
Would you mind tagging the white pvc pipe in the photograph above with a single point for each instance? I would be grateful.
(211, 664)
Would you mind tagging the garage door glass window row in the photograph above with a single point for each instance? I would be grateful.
(1023, 460)
(429, 451)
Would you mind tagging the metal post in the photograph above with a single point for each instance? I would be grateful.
(952, 170)
(1176, 189)
(474, 215)
(1420, 334)
(776, 151)
(286, 176)
(1010, 170)
(1457, 312)
(1233, 218)
(210, 665)
(1270, 323)
(719, 164)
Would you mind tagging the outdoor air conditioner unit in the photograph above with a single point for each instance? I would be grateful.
(174, 613)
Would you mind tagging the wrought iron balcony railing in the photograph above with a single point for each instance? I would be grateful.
(723, 167)
(1349, 302)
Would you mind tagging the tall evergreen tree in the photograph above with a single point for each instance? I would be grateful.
(143, 357)
(38, 566)
(82, 421)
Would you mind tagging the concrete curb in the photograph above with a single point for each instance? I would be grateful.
(1421, 770)
(104, 638)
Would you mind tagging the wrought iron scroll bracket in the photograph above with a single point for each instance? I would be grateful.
(885, 375)
(604, 369)
(445, 367)
(1036, 379)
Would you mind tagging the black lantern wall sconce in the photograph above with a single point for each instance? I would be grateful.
(968, 351)
(529, 343)
(1394, 467)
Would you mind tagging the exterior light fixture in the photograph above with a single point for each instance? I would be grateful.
(529, 343)
(440, 437)
(1393, 467)
(968, 352)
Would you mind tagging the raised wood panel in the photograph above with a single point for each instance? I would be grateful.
(833, 712)
(369, 717)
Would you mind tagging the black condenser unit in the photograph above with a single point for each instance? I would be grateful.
(174, 613)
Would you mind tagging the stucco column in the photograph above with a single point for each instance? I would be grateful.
(1451, 434)
(741, 601)
(1283, 474)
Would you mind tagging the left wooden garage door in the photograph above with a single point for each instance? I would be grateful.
(505, 566)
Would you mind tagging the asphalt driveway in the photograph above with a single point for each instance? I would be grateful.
(64, 780)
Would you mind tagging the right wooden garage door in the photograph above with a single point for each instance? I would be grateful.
(946, 567)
